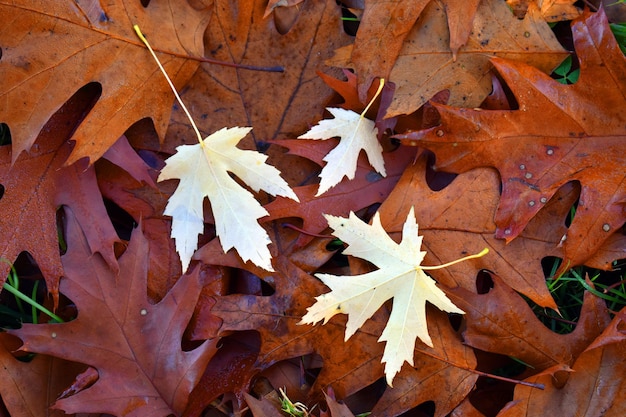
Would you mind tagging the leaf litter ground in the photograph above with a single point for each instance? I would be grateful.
(253, 314)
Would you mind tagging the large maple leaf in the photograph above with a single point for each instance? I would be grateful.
(92, 42)
(134, 345)
(559, 133)
(399, 276)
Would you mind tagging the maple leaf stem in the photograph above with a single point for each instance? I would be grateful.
(465, 258)
(171, 84)
(381, 84)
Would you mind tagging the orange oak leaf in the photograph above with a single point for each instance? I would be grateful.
(449, 232)
(134, 345)
(559, 133)
(93, 43)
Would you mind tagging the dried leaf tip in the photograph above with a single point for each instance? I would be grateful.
(169, 82)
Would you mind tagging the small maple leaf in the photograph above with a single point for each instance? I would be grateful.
(203, 170)
(400, 276)
(357, 133)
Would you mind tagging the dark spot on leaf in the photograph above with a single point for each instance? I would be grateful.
(373, 176)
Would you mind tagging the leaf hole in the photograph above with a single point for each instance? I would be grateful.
(5, 134)
(145, 3)
(1, 191)
(122, 221)
(456, 320)
(425, 409)
(437, 180)
(574, 208)
(26, 277)
(245, 282)
(60, 222)
(501, 96)
(484, 282)
(350, 20)
(364, 400)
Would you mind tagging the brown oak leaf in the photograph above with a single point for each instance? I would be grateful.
(559, 133)
(272, 103)
(385, 25)
(36, 185)
(93, 43)
(134, 345)
(593, 386)
(426, 65)
(28, 388)
(502, 322)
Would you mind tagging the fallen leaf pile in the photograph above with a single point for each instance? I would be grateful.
(268, 262)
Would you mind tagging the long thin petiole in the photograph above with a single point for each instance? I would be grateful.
(381, 84)
(476, 255)
(171, 84)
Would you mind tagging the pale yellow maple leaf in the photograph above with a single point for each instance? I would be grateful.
(203, 170)
(356, 133)
(399, 276)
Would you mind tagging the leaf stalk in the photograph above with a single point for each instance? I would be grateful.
(170, 83)
(465, 258)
